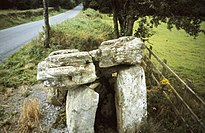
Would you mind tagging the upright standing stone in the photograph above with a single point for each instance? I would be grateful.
(131, 104)
(81, 107)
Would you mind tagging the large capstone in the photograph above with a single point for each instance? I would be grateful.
(125, 50)
(81, 107)
(131, 103)
(64, 68)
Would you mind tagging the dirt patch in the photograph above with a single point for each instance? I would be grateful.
(11, 104)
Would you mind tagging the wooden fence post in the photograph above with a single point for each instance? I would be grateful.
(164, 70)
(150, 54)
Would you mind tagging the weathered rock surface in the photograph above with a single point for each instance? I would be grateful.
(56, 96)
(62, 68)
(125, 50)
(64, 51)
(81, 107)
(95, 54)
(131, 104)
(69, 59)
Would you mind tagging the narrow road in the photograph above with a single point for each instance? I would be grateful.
(13, 38)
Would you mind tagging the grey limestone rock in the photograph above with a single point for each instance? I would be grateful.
(95, 54)
(131, 102)
(62, 68)
(56, 96)
(64, 51)
(69, 59)
(81, 107)
(125, 50)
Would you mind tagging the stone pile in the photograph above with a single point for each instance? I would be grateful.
(100, 85)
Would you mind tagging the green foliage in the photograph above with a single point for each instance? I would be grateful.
(144, 28)
(93, 4)
(85, 32)
(67, 4)
(190, 25)
(101, 5)
(32, 4)
(20, 4)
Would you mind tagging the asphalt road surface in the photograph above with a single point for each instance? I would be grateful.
(13, 38)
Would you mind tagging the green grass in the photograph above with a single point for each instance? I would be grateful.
(90, 27)
(184, 54)
(84, 32)
(11, 18)
(20, 68)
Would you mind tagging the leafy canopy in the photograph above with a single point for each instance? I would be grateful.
(183, 14)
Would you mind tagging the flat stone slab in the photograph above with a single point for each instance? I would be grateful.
(125, 50)
(67, 68)
(70, 59)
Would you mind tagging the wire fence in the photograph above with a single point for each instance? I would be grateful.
(187, 104)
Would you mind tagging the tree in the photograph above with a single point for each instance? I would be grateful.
(181, 13)
(47, 26)
(184, 14)
(20, 4)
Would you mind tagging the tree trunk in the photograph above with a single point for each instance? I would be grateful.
(47, 26)
(122, 25)
(115, 19)
(126, 26)
(129, 26)
(122, 12)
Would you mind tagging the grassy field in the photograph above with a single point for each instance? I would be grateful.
(11, 18)
(184, 54)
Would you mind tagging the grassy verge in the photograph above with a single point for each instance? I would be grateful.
(11, 18)
(184, 54)
(85, 32)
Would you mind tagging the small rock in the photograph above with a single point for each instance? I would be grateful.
(56, 96)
